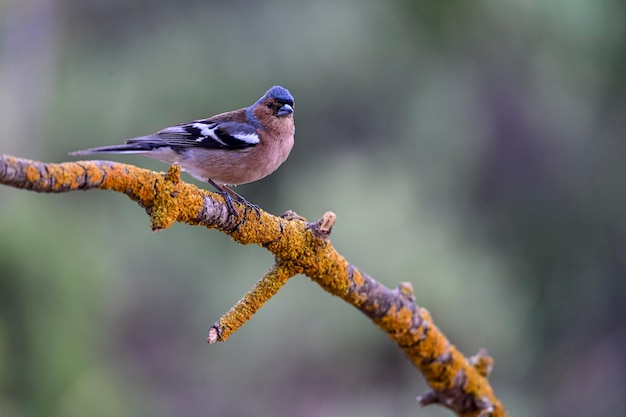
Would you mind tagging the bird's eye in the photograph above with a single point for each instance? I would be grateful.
(270, 105)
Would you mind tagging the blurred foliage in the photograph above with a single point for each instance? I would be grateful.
(473, 148)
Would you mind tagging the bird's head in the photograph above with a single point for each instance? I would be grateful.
(274, 109)
(277, 101)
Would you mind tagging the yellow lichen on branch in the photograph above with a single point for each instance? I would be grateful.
(245, 308)
(299, 247)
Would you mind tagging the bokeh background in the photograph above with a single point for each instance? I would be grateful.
(473, 148)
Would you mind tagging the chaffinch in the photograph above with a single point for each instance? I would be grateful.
(231, 148)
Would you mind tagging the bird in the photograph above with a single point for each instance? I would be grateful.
(229, 149)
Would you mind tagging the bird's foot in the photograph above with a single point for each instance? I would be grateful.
(228, 196)
(229, 203)
(250, 205)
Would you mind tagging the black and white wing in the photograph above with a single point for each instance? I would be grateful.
(205, 134)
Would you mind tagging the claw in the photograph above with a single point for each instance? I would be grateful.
(229, 202)
(250, 205)
(229, 194)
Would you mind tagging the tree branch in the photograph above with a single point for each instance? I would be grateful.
(456, 382)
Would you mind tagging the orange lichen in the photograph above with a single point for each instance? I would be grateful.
(357, 277)
(32, 174)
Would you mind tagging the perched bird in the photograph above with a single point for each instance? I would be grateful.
(231, 148)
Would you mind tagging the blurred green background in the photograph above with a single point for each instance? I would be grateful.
(473, 148)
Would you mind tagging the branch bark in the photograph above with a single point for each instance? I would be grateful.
(455, 381)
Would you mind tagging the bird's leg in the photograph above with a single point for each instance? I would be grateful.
(223, 191)
(243, 201)
(226, 192)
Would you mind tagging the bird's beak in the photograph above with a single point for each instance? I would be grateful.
(285, 110)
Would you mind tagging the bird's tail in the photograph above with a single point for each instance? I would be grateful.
(127, 148)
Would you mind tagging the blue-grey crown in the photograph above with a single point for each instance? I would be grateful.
(279, 93)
